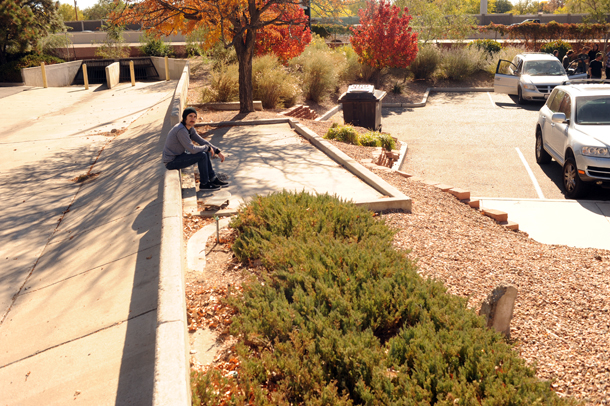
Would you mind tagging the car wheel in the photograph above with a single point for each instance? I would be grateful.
(573, 185)
(520, 99)
(542, 157)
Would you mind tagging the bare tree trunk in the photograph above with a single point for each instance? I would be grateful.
(244, 47)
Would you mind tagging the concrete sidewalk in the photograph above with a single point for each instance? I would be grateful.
(79, 280)
(576, 223)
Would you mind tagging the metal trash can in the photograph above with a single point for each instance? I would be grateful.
(362, 106)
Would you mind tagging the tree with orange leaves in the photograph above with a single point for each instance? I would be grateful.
(236, 23)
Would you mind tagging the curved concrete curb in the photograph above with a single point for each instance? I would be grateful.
(195, 258)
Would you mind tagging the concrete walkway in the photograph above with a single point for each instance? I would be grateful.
(576, 223)
(79, 275)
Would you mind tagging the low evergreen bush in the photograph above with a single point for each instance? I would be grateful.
(426, 62)
(272, 84)
(488, 45)
(386, 140)
(369, 140)
(152, 46)
(343, 133)
(561, 46)
(339, 317)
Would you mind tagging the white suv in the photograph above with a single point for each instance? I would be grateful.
(574, 129)
(530, 76)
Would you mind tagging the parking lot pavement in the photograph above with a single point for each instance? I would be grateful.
(483, 142)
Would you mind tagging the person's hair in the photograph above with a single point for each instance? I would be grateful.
(570, 52)
(555, 51)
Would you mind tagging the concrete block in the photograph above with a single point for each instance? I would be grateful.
(461, 194)
(475, 204)
(443, 187)
(498, 308)
(511, 225)
(113, 74)
(497, 215)
(430, 182)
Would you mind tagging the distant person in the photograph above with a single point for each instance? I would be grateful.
(556, 54)
(592, 54)
(595, 67)
(608, 65)
(180, 152)
(567, 58)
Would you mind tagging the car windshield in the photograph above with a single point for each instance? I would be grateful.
(543, 68)
(593, 110)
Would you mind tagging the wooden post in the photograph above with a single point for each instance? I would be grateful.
(166, 68)
(44, 75)
(132, 73)
(85, 76)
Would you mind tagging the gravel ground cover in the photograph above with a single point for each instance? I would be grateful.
(561, 321)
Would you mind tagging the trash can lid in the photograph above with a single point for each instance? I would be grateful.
(360, 89)
(374, 95)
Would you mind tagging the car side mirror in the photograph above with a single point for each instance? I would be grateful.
(558, 118)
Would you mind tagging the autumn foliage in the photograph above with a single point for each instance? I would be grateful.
(384, 38)
(284, 41)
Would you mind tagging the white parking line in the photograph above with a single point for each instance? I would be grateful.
(532, 177)
(491, 100)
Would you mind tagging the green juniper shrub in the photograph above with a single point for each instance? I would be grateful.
(152, 46)
(488, 45)
(343, 133)
(340, 317)
(387, 142)
(561, 46)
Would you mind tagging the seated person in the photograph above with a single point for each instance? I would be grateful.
(180, 152)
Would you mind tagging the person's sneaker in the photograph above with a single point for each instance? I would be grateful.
(208, 186)
(219, 182)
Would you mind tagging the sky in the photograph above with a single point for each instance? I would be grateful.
(81, 4)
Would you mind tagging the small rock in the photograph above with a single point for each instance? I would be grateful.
(193, 351)
(498, 308)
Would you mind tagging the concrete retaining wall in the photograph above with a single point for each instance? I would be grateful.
(113, 74)
(59, 75)
(176, 67)
(180, 95)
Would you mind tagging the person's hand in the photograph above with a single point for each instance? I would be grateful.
(211, 151)
(221, 156)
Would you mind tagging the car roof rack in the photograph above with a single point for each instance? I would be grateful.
(586, 82)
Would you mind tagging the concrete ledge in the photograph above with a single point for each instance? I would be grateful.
(246, 122)
(180, 95)
(354, 167)
(497, 215)
(172, 374)
(113, 74)
(258, 105)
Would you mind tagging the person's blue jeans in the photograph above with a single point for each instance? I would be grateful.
(202, 159)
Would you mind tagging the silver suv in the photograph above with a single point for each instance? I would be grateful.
(530, 76)
(574, 129)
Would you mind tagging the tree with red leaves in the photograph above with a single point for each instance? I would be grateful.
(384, 38)
(284, 41)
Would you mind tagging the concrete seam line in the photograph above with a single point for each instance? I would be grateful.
(354, 167)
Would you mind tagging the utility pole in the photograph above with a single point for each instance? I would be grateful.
(75, 10)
